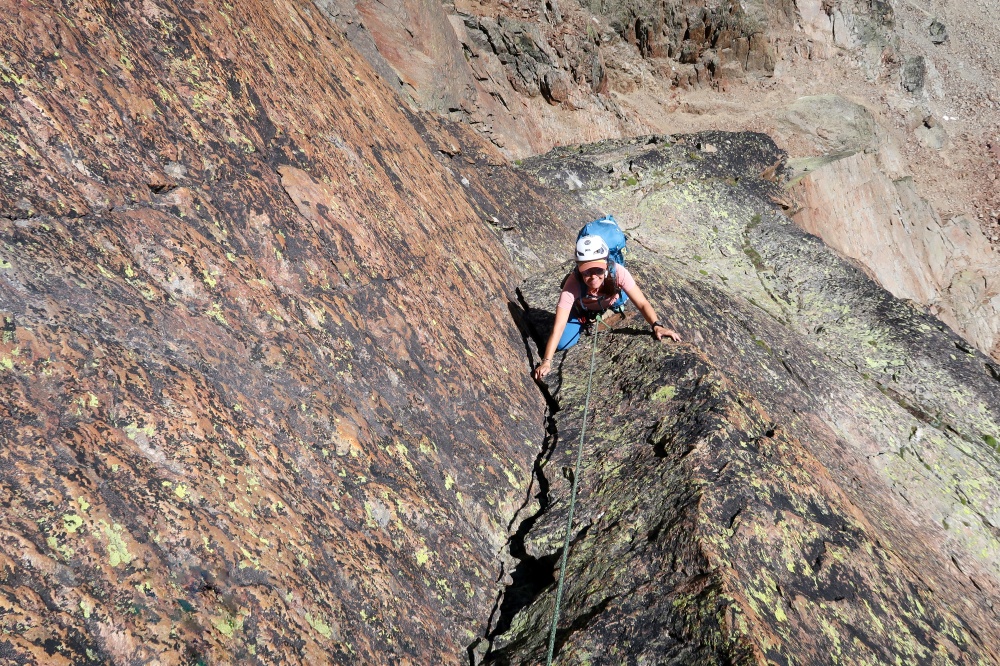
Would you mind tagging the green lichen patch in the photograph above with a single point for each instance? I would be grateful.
(115, 546)
(228, 624)
(664, 393)
(72, 522)
(135, 432)
(319, 624)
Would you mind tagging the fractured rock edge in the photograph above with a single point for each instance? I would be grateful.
(852, 573)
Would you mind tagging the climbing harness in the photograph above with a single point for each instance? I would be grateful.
(572, 498)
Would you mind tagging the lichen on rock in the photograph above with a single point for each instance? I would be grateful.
(790, 503)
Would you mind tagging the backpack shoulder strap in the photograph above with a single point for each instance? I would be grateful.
(610, 286)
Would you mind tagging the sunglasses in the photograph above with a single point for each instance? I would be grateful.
(593, 272)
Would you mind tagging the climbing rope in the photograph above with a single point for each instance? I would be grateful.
(572, 500)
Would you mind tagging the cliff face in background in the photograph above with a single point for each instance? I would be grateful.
(267, 329)
(828, 80)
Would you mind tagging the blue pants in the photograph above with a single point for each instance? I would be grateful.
(571, 335)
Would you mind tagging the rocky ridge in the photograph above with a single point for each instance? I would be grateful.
(810, 479)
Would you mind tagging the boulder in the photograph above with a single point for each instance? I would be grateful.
(914, 72)
(933, 137)
(556, 86)
(834, 123)
(938, 32)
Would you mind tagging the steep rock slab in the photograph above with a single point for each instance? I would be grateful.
(535, 224)
(857, 195)
(246, 415)
(860, 517)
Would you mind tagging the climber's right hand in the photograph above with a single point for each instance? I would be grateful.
(543, 369)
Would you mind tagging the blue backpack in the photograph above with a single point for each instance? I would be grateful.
(608, 229)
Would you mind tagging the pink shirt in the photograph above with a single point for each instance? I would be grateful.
(573, 289)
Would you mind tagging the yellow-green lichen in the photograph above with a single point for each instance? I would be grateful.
(72, 522)
(511, 478)
(228, 624)
(65, 551)
(664, 393)
(133, 430)
(215, 312)
(117, 549)
(319, 624)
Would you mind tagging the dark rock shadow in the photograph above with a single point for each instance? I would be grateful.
(532, 574)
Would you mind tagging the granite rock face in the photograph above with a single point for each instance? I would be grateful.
(266, 397)
(810, 478)
(856, 200)
(711, 35)
(263, 398)
(487, 64)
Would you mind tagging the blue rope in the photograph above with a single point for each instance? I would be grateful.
(572, 501)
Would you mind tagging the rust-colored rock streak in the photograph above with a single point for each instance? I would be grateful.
(242, 421)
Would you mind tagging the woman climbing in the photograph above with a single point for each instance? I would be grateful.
(597, 284)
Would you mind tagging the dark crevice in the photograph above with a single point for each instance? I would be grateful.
(520, 312)
(532, 574)
(736, 514)
(794, 375)
(660, 445)
(161, 188)
(16, 217)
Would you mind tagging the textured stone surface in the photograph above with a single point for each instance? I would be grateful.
(947, 266)
(417, 40)
(810, 478)
(265, 401)
(913, 74)
(246, 416)
(495, 61)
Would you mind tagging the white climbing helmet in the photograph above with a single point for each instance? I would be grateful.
(591, 248)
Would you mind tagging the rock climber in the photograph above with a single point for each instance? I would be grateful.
(595, 286)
